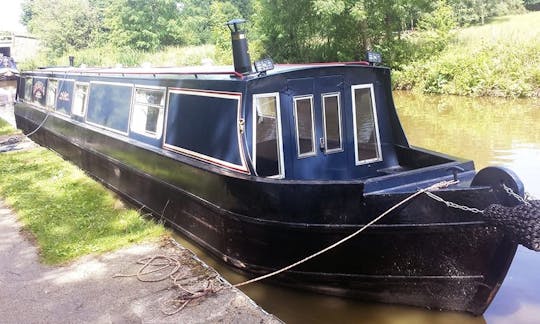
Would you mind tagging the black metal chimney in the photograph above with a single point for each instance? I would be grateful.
(242, 61)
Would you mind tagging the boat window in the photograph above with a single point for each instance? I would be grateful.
(64, 96)
(28, 89)
(38, 90)
(366, 135)
(267, 136)
(52, 86)
(79, 102)
(109, 105)
(305, 130)
(332, 122)
(147, 115)
(205, 126)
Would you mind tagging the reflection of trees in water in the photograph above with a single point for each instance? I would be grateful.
(469, 127)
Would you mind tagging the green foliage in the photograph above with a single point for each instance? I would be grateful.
(62, 25)
(111, 56)
(69, 214)
(143, 25)
(470, 12)
(498, 59)
(221, 37)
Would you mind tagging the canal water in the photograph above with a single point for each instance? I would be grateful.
(488, 131)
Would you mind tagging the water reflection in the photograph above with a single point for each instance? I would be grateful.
(489, 131)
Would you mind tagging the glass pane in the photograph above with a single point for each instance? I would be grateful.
(204, 124)
(28, 88)
(109, 105)
(52, 85)
(267, 159)
(152, 115)
(79, 101)
(147, 115)
(304, 125)
(148, 96)
(366, 135)
(332, 123)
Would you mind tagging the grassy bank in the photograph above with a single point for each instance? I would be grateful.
(501, 58)
(6, 129)
(111, 56)
(68, 213)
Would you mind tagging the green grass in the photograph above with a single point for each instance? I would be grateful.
(6, 128)
(69, 214)
(501, 58)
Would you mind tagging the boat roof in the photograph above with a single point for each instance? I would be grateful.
(210, 71)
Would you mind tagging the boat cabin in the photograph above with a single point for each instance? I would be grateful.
(298, 122)
(311, 122)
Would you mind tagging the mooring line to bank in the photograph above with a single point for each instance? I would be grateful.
(162, 267)
(440, 185)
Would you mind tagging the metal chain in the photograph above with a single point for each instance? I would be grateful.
(511, 193)
(454, 205)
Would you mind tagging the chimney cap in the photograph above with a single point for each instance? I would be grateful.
(233, 24)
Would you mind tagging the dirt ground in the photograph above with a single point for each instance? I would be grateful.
(87, 291)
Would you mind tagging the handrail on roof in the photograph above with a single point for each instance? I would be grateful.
(100, 71)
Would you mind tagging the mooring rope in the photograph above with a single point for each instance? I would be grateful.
(168, 268)
(436, 186)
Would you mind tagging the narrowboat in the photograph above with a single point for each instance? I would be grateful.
(8, 68)
(265, 166)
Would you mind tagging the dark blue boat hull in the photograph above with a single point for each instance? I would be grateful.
(424, 255)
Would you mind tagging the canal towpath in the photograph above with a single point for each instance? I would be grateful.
(87, 291)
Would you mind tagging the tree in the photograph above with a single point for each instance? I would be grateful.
(221, 12)
(61, 24)
(144, 24)
(323, 30)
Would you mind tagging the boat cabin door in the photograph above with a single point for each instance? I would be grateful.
(318, 127)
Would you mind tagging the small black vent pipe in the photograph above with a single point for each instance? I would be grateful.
(242, 61)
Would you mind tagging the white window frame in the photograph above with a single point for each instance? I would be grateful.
(313, 143)
(376, 123)
(340, 148)
(85, 103)
(213, 94)
(161, 116)
(281, 163)
(47, 105)
(28, 94)
(130, 85)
